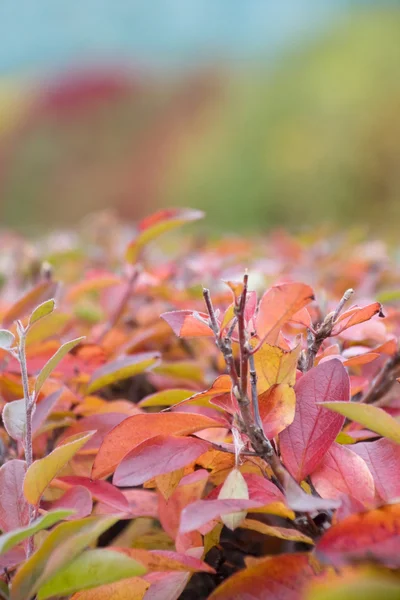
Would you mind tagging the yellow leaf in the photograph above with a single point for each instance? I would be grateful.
(121, 368)
(42, 471)
(371, 417)
(279, 532)
(274, 365)
(133, 588)
(62, 545)
(234, 488)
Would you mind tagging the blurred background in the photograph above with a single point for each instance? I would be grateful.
(262, 113)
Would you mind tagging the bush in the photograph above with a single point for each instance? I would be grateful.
(245, 445)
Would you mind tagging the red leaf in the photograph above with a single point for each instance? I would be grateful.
(100, 490)
(366, 536)
(280, 577)
(160, 454)
(383, 460)
(356, 315)
(344, 472)
(14, 509)
(305, 442)
(138, 428)
(278, 305)
(187, 323)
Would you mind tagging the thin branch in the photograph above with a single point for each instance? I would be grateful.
(29, 406)
(254, 395)
(384, 380)
(316, 338)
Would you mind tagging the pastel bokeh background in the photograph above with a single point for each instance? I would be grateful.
(262, 113)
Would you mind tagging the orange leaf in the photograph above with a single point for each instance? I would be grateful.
(133, 588)
(277, 408)
(280, 577)
(138, 428)
(278, 305)
(188, 323)
(157, 224)
(41, 292)
(366, 536)
(357, 315)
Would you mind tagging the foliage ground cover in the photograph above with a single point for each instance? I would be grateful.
(216, 420)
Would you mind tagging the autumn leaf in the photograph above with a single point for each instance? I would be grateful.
(234, 488)
(139, 428)
(368, 536)
(187, 323)
(371, 417)
(383, 459)
(122, 368)
(280, 577)
(278, 305)
(305, 442)
(342, 471)
(41, 292)
(274, 365)
(42, 471)
(157, 224)
(277, 408)
(356, 315)
(158, 455)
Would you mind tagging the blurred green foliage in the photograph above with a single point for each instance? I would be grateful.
(317, 140)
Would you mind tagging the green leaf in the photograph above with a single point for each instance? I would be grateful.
(91, 569)
(122, 368)
(372, 417)
(53, 362)
(6, 339)
(42, 471)
(63, 544)
(14, 419)
(13, 538)
(44, 309)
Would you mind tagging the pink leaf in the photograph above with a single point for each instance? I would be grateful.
(200, 513)
(305, 442)
(14, 509)
(77, 498)
(100, 490)
(383, 460)
(158, 455)
(344, 472)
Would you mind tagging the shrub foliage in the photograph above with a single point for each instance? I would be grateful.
(244, 445)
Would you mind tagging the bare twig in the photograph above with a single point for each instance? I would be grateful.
(29, 406)
(316, 338)
(254, 395)
(384, 380)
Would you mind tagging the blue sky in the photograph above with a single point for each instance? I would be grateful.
(39, 36)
